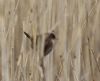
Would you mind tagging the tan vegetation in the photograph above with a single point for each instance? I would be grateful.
(76, 53)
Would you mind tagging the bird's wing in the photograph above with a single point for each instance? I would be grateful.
(48, 47)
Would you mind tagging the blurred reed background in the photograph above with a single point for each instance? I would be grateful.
(76, 54)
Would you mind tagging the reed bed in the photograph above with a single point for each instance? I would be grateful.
(76, 52)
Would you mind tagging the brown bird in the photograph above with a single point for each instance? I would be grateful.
(48, 44)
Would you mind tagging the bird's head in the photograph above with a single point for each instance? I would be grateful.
(52, 36)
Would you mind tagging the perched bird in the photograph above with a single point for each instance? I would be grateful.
(48, 44)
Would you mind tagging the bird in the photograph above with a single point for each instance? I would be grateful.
(48, 43)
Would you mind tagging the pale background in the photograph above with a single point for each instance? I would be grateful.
(76, 55)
